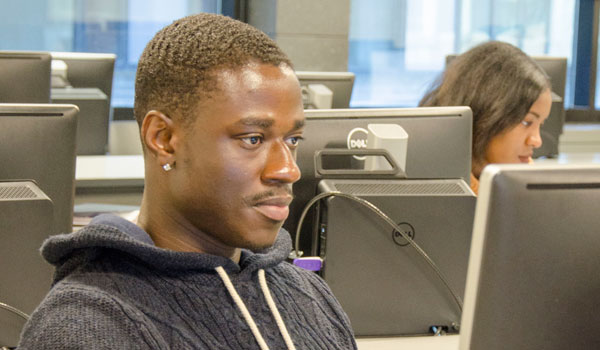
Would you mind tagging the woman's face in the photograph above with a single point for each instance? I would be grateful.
(516, 144)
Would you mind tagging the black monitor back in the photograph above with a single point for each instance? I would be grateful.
(385, 286)
(556, 68)
(89, 70)
(94, 115)
(439, 147)
(340, 84)
(24, 77)
(26, 220)
(37, 142)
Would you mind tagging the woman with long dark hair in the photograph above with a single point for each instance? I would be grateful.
(509, 94)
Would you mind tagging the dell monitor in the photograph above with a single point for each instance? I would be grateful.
(383, 282)
(533, 280)
(439, 147)
(426, 193)
(339, 83)
(37, 142)
(24, 77)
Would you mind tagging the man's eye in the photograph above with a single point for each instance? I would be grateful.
(252, 140)
(294, 140)
(526, 123)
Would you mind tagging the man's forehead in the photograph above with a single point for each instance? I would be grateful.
(260, 95)
(253, 74)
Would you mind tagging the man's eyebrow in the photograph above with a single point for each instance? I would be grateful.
(266, 123)
(535, 114)
(299, 124)
(263, 123)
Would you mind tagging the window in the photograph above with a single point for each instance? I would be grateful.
(108, 26)
(398, 48)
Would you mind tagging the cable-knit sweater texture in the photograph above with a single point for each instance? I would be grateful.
(114, 289)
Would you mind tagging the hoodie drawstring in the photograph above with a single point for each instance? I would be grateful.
(267, 293)
(248, 318)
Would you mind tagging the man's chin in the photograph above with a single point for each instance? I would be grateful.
(258, 247)
(261, 241)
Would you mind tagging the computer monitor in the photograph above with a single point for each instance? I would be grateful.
(38, 143)
(533, 279)
(24, 77)
(340, 84)
(89, 70)
(429, 195)
(439, 147)
(556, 68)
(26, 220)
(384, 284)
(93, 120)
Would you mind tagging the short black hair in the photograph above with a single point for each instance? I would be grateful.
(498, 81)
(176, 70)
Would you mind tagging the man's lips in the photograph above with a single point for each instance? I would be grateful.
(525, 159)
(274, 208)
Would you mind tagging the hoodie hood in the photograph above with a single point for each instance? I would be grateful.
(111, 232)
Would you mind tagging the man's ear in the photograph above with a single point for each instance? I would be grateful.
(158, 136)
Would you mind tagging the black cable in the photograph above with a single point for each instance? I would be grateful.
(14, 310)
(389, 221)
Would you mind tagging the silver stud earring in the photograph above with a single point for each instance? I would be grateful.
(167, 167)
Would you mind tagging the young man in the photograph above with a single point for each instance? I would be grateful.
(220, 114)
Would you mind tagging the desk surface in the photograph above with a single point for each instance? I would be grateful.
(109, 171)
(446, 342)
(572, 158)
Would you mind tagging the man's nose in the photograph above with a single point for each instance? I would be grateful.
(280, 165)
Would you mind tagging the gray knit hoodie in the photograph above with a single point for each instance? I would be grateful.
(114, 289)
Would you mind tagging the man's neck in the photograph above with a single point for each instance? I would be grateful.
(169, 231)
